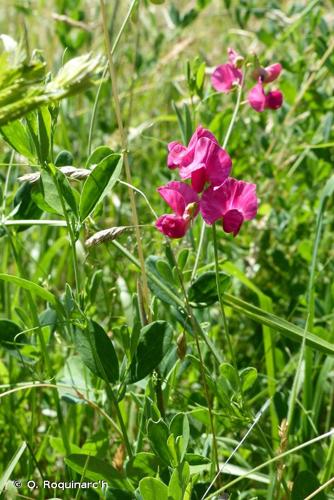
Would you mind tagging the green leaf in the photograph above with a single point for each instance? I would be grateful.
(64, 159)
(229, 375)
(153, 344)
(158, 435)
(25, 207)
(159, 285)
(5, 476)
(44, 133)
(99, 183)
(142, 465)
(50, 194)
(305, 484)
(179, 481)
(97, 351)
(179, 426)
(98, 155)
(10, 334)
(153, 489)
(203, 291)
(16, 135)
(248, 377)
(31, 287)
(96, 470)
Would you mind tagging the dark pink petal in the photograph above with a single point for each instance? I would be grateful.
(257, 98)
(210, 156)
(212, 205)
(185, 191)
(198, 179)
(174, 199)
(232, 221)
(176, 153)
(225, 77)
(234, 58)
(232, 195)
(274, 99)
(239, 195)
(218, 164)
(172, 226)
(198, 134)
(272, 72)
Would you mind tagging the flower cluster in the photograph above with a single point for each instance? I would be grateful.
(211, 191)
(226, 76)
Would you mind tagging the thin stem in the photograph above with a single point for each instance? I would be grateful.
(235, 113)
(113, 399)
(271, 461)
(227, 137)
(227, 333)
(202, 368)
(71, 235)
(199, 251)
(113, 76)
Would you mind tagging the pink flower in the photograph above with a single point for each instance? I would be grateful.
(228, 75)
(180, 155)
(184, 202)
(260, 101)
(268, 74)
(210, 163)
(233, 202)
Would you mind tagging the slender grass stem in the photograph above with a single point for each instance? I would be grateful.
(271, 461)
(198, 347)
(71, 236)
(122, 132)
(226, 139)
(220, 299)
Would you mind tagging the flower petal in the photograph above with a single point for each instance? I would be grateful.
(172, 225)
(212, 205)
(257, 98)
(176, 153)
(225, 77)
(198, 178)
(274, 99)
(272, 72)
(234, 58)
(232, 221)
(174, 199)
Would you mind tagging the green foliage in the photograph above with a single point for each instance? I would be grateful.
(100, 382)
(97, 351)
(99, 183)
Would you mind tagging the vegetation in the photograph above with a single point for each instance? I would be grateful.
(193, 364)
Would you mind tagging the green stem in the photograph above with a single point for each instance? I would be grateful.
(198, 347)
(71, 235)
(271, 461)
(35, 318)
(114, 401)
(113, 76)
(227, 137)
(220, 298)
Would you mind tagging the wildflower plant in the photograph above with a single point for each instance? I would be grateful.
(140, 354)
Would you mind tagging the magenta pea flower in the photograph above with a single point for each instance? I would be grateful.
(233, 202)
(211, 163)
(259, 100)
(268, 74)
(185, 204)
(180, 155)
(226, 76)
(203, 160)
